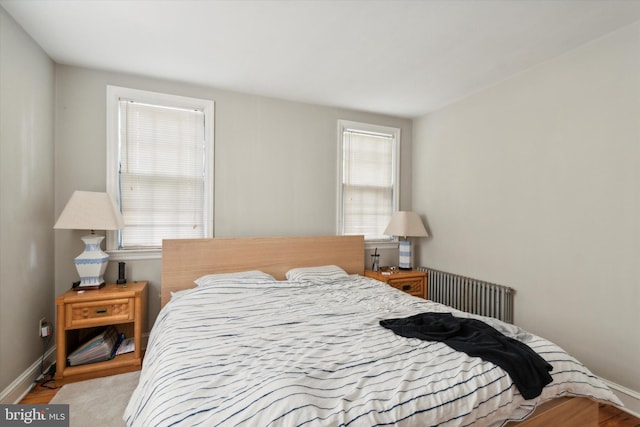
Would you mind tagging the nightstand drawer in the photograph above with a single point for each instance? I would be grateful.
(410, 286)
(95, 313)
(411, 282)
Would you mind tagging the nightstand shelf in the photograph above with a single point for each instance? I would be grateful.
(80, 315)
(413, 282)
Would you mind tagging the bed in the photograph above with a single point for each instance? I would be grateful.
(248, 347)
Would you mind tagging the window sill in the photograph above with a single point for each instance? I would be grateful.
(385, 244)
(134, 254)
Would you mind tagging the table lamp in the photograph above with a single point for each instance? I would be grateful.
(87, 210)
(405, 224)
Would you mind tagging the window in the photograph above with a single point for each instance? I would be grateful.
(159, 167)
(369, 184)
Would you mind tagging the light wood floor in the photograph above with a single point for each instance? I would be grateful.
(609, 416)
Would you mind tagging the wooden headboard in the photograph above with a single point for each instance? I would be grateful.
(184, 260)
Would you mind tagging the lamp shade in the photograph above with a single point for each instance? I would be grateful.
(88, 210)
(405, 223)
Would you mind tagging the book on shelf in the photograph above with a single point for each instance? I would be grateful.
(99, 348)
(127, 345)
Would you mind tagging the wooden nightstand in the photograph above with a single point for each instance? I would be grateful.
(81, 315)
(413, 282)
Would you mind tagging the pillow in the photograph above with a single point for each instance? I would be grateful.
(323, 273)
(252, 276)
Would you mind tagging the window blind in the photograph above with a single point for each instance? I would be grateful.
(367, 182)
(161, 174)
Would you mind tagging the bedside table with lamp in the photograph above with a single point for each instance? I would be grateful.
(91, 305)
(403, 224)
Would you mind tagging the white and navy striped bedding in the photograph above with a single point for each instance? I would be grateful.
(305, 354)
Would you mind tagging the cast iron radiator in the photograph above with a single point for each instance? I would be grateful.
(470, 295)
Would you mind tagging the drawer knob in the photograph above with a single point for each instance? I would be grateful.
(406, 287)
(100, 311)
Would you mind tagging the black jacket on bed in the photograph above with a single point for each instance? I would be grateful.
(528, 370)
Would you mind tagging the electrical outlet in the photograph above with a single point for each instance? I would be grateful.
(42, 324)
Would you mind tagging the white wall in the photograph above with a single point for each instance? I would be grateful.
(26, 201)
(535, 183)
(275, 163)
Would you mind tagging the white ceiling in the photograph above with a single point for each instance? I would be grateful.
(403, 58)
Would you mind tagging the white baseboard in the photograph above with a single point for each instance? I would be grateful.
(24, 383)
(630, 398)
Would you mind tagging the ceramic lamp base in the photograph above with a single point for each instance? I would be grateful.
(404, 248)
(92, 263)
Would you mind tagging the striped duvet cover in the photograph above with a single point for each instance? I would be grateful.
(314, 354)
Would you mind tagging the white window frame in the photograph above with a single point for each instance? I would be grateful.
(114, 94)
(344, 125)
